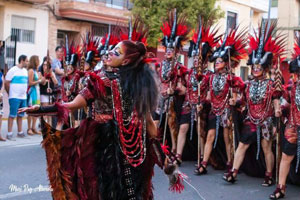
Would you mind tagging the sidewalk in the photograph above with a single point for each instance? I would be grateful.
(26, 141)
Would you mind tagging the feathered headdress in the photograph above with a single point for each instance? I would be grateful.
(75, 52)
(108, 42)
(294, 65)
(136, 32)
(175, 31)
(91, 48)
(233, 45)
(265, 49)
(205, 38)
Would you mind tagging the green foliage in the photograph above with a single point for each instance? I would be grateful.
(153, 13)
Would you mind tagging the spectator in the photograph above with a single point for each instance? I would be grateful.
(1, 103)
(56, 64)
(33, 92)
(47, 85)
(16, 83)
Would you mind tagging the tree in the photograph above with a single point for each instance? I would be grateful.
(153, 12)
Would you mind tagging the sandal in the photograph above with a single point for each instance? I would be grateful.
(230, 178)
(178, 159)
(30, 131)
(202, 166)
(268, 180)
(2, 139)
(36, 132)
(279, 192)
(228, 167)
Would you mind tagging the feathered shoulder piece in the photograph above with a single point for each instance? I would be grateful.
(264, 49)
(175, 30)
(136, 31)
(203, 39)
(91, 44)
(108, 42)
(234, 45)
(294, 65)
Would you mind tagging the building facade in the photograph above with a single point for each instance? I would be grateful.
(23, 30)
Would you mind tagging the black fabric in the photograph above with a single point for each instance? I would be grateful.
(248, 136)
(212, 119)
(43, 88)
(155, 116)
(110, 162)
(185, 119)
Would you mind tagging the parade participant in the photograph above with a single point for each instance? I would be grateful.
(70, 82)
(262, 100)
(92, 56)
(107, 43)
(291, 144)
(221, 83)
(201, 46)
(173, 77)
(112, 156)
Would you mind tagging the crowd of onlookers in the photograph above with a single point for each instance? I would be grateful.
(29, 83)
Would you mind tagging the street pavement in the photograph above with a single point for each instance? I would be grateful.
(23, 176)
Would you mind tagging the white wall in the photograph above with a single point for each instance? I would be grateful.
(41, 28)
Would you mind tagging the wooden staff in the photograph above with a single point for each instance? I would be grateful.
(278, 87)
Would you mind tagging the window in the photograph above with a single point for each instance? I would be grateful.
(23, 28)
(231, 19)
(99, 30)
(274, 3)
(244, 73)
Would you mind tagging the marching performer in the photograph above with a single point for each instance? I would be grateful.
(112, 156)
(173, 77)
(262, 100)
(291, 140)
(201, 47)
(221, 83)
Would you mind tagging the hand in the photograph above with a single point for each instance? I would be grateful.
(232, 101)
(199, 108)
(29, 109)
(1, 96)
(170, 91)
(49, 90)
(68, 93)
(278, 113)
(43, 79)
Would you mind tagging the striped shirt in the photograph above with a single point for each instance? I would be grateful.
(18, 82)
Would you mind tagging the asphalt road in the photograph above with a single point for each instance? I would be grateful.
(23, 177)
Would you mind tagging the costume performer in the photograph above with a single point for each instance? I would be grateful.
(112, 156)
(173, 77)
(221, 83)
(262, 100)
(291, 140)
(201, 48)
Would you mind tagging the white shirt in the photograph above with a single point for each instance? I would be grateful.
(18, 82)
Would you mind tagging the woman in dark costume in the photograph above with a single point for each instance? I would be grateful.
(111, 156)
(220, 84)
(291, 139)
(262, 101)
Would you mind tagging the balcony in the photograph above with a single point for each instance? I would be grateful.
(36, 1)
(260, 5)
(98, 11)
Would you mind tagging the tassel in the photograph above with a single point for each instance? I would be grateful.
(298, 149)
(217, 130)
(258, 141)
(177, 186)
(165, 148)
(192, 122)
(62, 113)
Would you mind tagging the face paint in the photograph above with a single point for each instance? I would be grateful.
(169, 53)
(257, 70)
(219, 64)
(116, 56)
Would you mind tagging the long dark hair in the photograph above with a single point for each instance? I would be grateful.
(138, 79)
